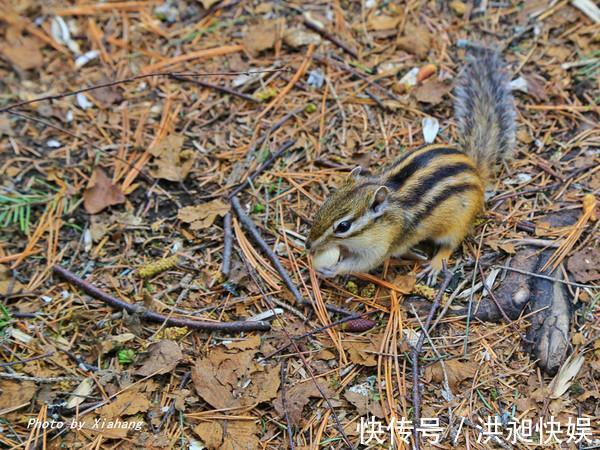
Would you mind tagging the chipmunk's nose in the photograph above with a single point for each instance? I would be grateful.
(307, 244)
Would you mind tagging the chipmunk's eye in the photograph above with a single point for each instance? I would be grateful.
(343, 226)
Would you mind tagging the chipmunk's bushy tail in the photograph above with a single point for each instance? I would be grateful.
(485, 110)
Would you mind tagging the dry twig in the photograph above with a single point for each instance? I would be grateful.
(88, 288)
(417, 349)
(251, 228)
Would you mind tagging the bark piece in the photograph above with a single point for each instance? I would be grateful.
(514, 291)
(548, 335)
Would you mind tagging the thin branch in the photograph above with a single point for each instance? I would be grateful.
(284, 147)
(330, 37)
(131, 79)
(305, 363)
(545, 277)
(344, 320)
(17, 376)
(61, 129)
(417, 349)
(284, 406)
(217, 87)
(332, 308)
(496, 301)
(141, 172)
(251, 228)
(277, 125)
(25, 361)
(227, 245)
(347, 67)
(93, 291)
(228, 235)
(171, 409)
(216, 7)
(147, 177)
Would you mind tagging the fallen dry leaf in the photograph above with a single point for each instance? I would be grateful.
(431, 91)
(99, 226)
(362, 353)
(127, 403)
(106, 96)
(22, 51)
(457, 371)
(81, 392)
(359, 396)
(416, 40)
(297, 397)
(110, 343)
(101, 193)
(589, 394)
(508, 248)
(6, 126)
(203, 216)
(170, 161)
(524, 136)
(562, 53)
(245, 344)
(578, 339)
(383, 22)
(524, 404)
(14, 393)
(211, 434)
(240, 435)
(162, 358)
(262, 36)
(179, 398)
(458, 7)
(153, 440)
(8, 283)
(229, 434)
(540, 395)
(227, 380)
(535, 88)
(298, 37)
(584, 265)
(405, 283)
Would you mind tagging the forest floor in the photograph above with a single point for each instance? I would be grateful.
(170, 157)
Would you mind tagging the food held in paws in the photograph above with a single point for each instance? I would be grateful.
(326, 258)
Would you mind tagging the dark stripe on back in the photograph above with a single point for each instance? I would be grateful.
(430, 181)
(418, 162)
(405, 156)
(439, 199)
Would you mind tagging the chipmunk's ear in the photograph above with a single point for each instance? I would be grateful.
(380, 200)
(356, 172)
(354, 176)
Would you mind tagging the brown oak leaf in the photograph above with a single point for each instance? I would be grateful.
(162, 358)
(101, 193)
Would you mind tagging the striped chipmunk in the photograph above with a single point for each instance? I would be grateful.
(430, 194)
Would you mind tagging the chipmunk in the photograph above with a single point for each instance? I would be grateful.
(432, 193)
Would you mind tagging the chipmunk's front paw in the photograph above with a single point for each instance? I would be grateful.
(327, 272)
(430, 274)
(436, 265)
